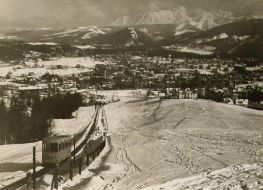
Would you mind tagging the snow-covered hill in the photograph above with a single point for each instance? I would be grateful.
(215, 146)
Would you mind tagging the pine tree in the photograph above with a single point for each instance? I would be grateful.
(38, 120)
(3, 123)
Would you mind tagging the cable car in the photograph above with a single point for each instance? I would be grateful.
(56, 149)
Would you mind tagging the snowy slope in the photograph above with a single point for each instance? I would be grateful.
(198, 143)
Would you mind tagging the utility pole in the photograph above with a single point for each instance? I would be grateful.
(80, 164)
(34, 167)
(5, 137)
(56, 176)
(93, 155)
(87, 159)
(74, 158)
(70, 170)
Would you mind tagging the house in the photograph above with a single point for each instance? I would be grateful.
(181, 94)
(187, 94)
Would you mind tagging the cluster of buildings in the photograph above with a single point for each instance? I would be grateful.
(238, 96)
(177, 93)
(20, 85)
(174, 78)
(158, 72)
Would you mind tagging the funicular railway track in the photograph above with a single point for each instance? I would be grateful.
(88, 135)
(87, 132)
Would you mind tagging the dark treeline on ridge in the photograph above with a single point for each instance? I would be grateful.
(28, 118)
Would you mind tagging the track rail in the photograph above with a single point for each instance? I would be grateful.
(44, 170)
(93, 126)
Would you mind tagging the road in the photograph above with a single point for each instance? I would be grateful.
(154, 142)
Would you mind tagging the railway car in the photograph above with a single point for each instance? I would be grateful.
(56, 149)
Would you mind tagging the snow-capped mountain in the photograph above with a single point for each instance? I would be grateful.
(242, 38)
(127, 37)
(158, 17)
(93, 31)
(64, 36)
(199, 19)
(86, 32)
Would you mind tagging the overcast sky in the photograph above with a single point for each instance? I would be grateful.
(71, 13)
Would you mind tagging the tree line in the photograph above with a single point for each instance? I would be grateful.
(28, 118)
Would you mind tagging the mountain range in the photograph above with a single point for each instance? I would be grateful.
(178, 30)
(198, 18)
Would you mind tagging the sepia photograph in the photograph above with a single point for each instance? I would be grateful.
(131, 94)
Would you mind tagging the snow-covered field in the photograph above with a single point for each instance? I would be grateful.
(86, 62)
(85, 47)
(181, 144)
(63, 66)
(207, 50)
(196, 51)
(39, 71)
(43, 43)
